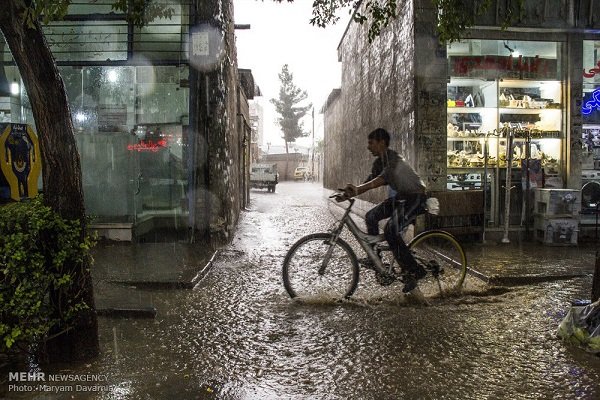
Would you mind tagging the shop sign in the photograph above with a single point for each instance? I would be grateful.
(206, 47)
(503, 67)
(592, 72)
(20, 160)
(592, 104)
(148, 145)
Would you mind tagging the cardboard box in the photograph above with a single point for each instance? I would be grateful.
(556, 231)
(557, 202)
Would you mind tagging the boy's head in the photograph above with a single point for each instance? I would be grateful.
(380, 134)
(379, 141)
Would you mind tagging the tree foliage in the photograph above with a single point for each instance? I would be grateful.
(37, 250)
(289, 109)
(454, 16)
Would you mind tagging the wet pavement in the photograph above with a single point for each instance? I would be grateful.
(237, 335)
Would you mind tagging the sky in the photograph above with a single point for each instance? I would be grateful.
(281, 34)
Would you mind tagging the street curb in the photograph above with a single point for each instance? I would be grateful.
(118, 312)
(520, 280)
(155, 284)
(525, 280)
(204, 271)
(170, 284)
(149, 311)
(478, 275)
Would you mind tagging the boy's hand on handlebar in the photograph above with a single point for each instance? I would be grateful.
(339, 196)
(350, 190)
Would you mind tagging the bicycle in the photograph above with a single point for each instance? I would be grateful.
(324, 264)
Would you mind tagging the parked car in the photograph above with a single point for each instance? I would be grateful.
(301, 174)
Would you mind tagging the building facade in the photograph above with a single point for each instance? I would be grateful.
(161, 117)
(468, 115)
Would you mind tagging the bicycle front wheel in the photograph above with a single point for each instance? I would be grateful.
(314, 267)
(445, 261)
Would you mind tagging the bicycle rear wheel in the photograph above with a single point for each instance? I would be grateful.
(315, 268)
(445, 261)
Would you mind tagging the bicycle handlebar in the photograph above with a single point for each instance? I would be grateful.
(341, 196)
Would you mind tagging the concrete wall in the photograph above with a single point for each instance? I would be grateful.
(286, 164)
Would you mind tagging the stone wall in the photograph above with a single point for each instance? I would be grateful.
(218, 175)
(332, 140)
(431, 70)
(378, 90)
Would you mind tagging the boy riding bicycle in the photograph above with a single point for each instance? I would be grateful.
(389, 168)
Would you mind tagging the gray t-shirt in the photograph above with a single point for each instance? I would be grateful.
(397, 173)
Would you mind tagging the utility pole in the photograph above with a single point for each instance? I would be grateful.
(313, 144)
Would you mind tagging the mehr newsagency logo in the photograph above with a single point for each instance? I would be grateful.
(37, 381)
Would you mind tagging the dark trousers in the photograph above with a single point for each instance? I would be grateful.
(392, 236)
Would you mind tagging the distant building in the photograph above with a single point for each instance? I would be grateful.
(257, 120)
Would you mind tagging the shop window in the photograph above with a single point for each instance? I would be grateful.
(590, 166)
(500, 89)
(131, 135)
(164, 39)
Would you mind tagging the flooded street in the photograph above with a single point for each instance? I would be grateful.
(237, 335)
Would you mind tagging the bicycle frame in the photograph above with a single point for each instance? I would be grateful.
(366, 241)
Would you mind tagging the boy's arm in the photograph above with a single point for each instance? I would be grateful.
(351, 190)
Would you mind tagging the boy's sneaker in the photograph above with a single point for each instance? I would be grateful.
(410, 283)
(410, 279)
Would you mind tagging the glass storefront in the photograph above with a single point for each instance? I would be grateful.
(130, 128)
(590, 167)
(128, 90)
(505, 115)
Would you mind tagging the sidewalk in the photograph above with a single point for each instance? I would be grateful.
(123, 273)
(520, 263)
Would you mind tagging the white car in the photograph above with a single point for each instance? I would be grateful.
(301, 173)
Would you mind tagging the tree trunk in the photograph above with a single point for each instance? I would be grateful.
(61, 169)
(287, 161)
